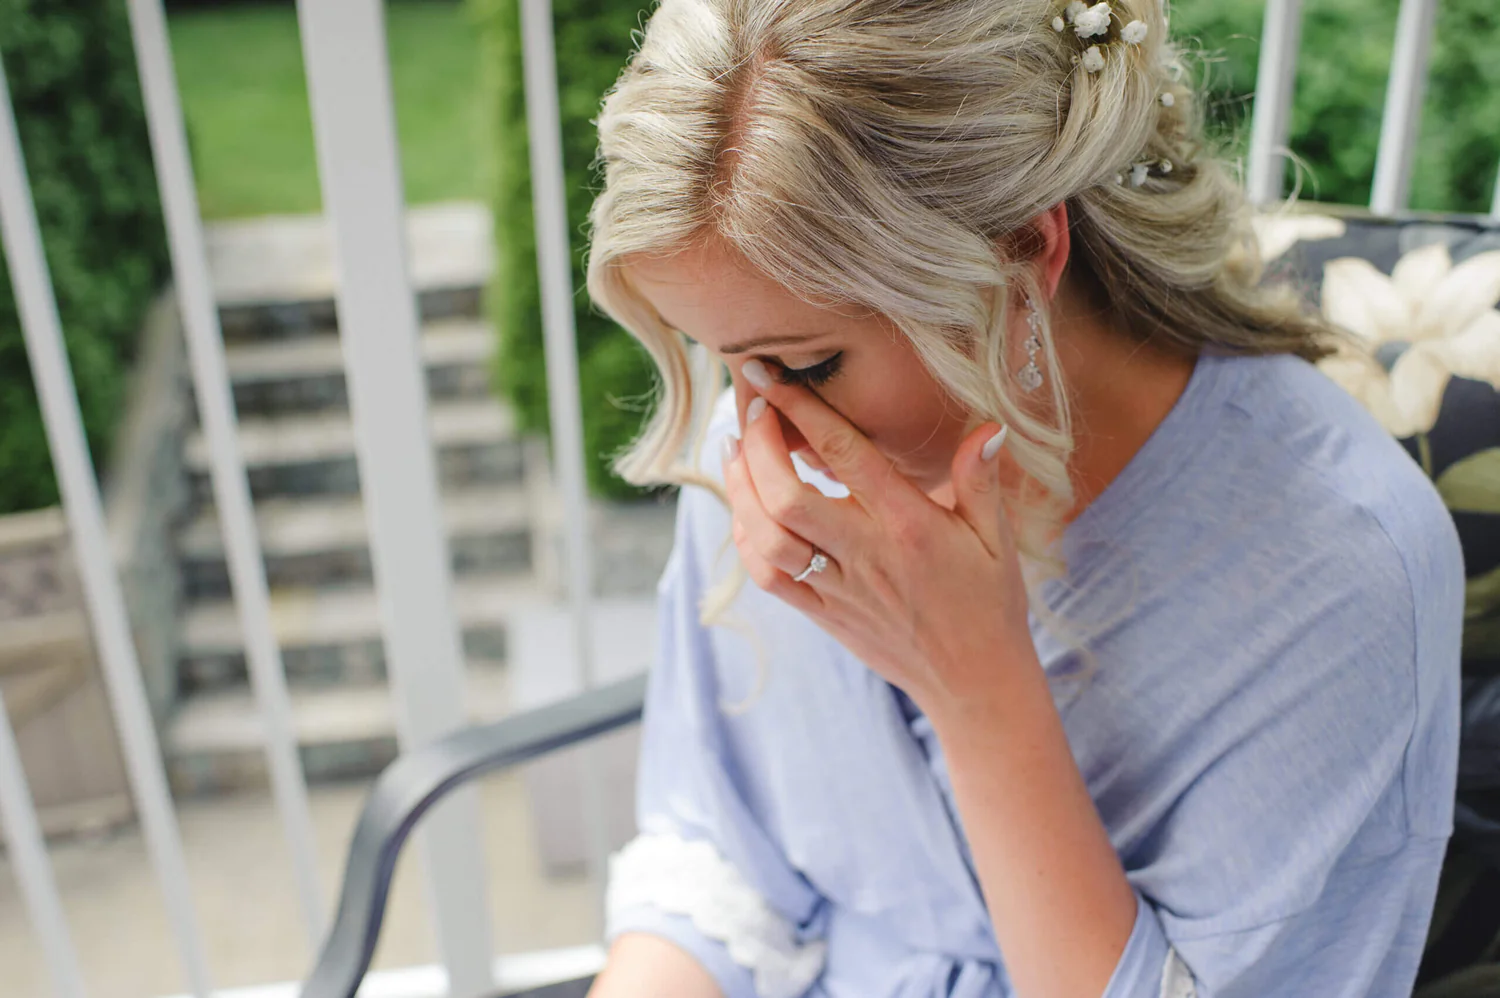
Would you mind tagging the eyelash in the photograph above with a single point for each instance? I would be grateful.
(811, 377)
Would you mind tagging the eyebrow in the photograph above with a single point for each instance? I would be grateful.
(766, 341)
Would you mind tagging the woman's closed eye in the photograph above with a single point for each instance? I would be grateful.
(810, 377)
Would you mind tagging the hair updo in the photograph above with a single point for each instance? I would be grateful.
(881, 153)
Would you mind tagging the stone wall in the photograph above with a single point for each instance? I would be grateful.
(145, 493)
(49, 669)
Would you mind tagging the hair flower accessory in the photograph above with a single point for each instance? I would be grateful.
(1058, 24)
(1075, 8)
(1168, 100)
(1092, 21)
(1140, 171)
(1134, 33)
(1093, 59)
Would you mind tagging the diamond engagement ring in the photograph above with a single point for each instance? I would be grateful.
(818, 563)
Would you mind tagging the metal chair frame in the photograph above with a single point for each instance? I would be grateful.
(416, 781)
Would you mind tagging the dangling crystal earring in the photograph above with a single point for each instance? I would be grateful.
(1030, 376)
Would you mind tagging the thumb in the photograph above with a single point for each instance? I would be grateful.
(976, 482)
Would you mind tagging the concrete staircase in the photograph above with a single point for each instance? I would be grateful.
(499, 507)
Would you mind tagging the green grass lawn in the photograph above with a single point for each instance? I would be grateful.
(239, 70)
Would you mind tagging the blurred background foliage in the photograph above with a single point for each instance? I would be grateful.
(73, 83)
(456, 73)
(239, 70)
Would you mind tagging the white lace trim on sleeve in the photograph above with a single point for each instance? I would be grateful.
(689, 877)
(1176, 980)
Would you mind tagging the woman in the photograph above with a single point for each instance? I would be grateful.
(1100, 645)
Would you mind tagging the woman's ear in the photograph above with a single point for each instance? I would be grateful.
(1051, 227)
(1046, 242)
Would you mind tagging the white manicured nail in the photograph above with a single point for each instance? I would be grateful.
(755, 372)
(993, 444)
(755, 408)
(730, 448)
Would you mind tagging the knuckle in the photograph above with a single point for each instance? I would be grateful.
(838, 447)
(785, 549)
(906, 530)
(761, 574)
(787, 506)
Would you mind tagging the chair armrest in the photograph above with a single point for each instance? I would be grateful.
(416, 781)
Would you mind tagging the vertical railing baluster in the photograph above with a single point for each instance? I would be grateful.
(22, 835)
(1274, 82)
(348, 77)
(565, 411)
(42, 331)
(1399, 127)
(200, 318)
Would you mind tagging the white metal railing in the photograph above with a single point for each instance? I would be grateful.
(101, 585)
(348, 80)
(348, 76)
(1403, 106)
(1272, 115)
(200, 318)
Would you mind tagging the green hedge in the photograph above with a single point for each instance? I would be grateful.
(1346, 54)
(593, 41)
(73, 83)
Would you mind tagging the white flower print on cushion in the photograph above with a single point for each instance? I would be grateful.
(1176, 980)
(689, 877)
(1428, 322)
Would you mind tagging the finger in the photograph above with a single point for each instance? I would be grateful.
(786, 498)
(977, 470)
(770, 553)
(758, 532)
(847, 452)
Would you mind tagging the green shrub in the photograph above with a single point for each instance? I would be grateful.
(593, 41)
(74, 86)
(1342, 74)
(1340, 93)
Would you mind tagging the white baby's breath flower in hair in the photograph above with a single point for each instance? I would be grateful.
(1119, 179)
(1094, 21)
(1093, 59)
(1167, 100)
(1074, 9)
(1165, 166)
(1138, 174)
(1058, 24)
(1134, 32)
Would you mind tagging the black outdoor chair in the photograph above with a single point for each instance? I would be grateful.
(418, 780)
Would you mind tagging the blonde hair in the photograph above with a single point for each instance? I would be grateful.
(890, 154)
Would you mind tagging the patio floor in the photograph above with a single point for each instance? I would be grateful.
(246, 902)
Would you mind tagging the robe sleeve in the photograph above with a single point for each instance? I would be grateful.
(703, 873)
(1303, 859)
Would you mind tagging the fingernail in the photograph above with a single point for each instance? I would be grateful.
(730, 448)
(755, 372)
(755, 408)
(993, 444)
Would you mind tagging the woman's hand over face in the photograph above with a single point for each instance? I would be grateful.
(929, 598)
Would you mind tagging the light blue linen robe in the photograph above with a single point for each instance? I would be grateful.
(1271, 738)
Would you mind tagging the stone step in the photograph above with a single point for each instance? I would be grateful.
(324, 540)
(332, 636)
(307, 374)
(216, 742)
(313, 453)
(276, 276)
